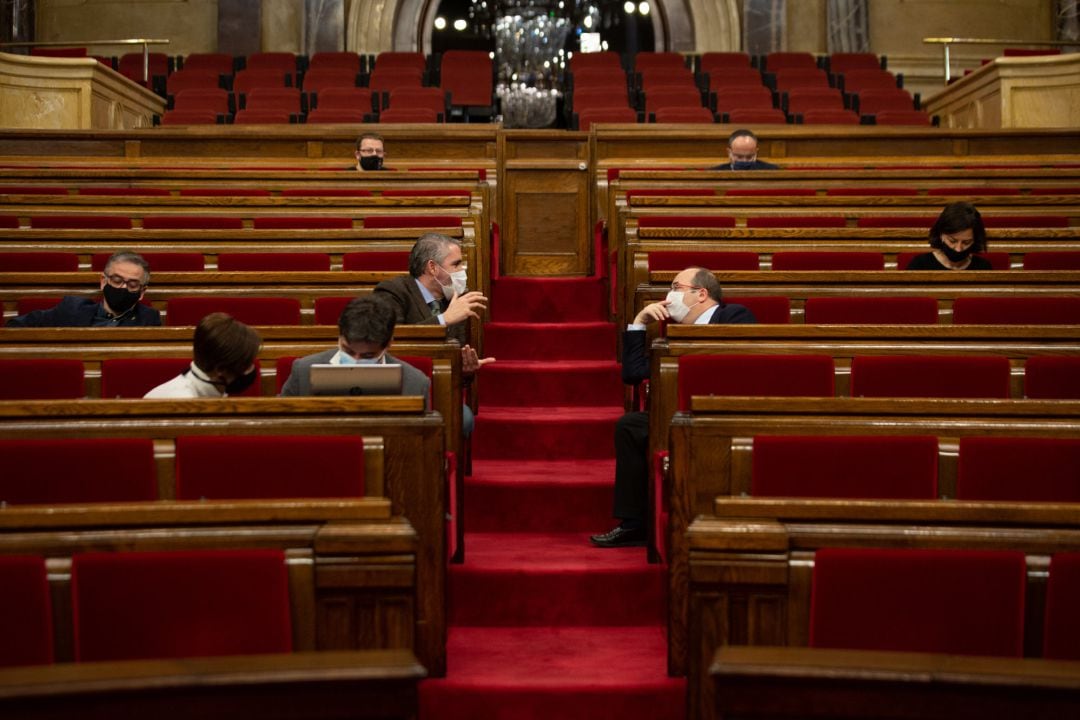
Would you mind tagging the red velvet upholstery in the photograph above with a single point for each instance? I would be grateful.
(134, 377)
(810, 260)
(43, 261)
(890, 221)
(252, 311)
(1019, 469)
(930, 376)
(224, 192)
(274, 261)
(125, 191)
(1052, 377)
(325, 192)
(41, 378)
(1022, 221)
(327, 311)
(410, 115)
(686, 115)
(713, 260)
(1072, 190)
(590, 116)
(31, 190)
(88, 222)
(972, 191)
(191, 222)
(28, 304)
(754, 376)
(197, 603)
(1047, 260)
(965, 602)
(77, 470)
(269, 466)
(427, 192)
(25, 612)
(787, 221)
(837, 466)
(189, 117)
(411, 221)
(870, 311)
(997, 260)
(872, 191)
(682, 221)
(1061, 622)
(392, 260)
(771, 192)
(159, 261)
(1042, 310)
(284, 364)
(767, 309)
(302, 223)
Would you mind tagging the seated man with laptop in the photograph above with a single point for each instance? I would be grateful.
(360, 364)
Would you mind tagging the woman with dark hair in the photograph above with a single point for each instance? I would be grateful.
(956, 236)
(224, 363)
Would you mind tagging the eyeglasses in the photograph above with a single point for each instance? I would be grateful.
(117, 282)
(372, 151)
(679, 286)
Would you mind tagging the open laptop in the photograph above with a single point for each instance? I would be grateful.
(327, 379)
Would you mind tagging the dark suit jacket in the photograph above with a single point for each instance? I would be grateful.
(79, 312)
(635, 364)
(412, 310)
(758, 165)
(413, 382)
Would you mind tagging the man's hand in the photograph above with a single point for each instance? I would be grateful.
(471, 362)
(654, 312)
(463, 307)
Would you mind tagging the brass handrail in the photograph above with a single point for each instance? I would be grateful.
(946, 41)
(145, 42)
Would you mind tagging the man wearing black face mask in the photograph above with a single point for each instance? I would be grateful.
(742, 153)
(224, 363)
(123, 284)
(370, 152)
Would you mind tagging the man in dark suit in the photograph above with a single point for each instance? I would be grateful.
(435, 292)
(742, 148)
(123, 284)
(695, 299)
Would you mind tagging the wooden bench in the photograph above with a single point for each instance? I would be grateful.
(414, 467)
(740, 567)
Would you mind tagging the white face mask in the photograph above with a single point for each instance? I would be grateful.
(344, 358)
(458, 282)
(676, 307)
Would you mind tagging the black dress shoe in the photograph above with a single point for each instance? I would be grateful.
(620, 537)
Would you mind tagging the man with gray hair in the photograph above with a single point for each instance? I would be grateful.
(123, 284)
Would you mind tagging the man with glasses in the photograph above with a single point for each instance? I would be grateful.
(742, 149)
(123, 284)
(694, 299)
(370, 152)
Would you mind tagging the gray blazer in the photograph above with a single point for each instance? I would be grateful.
(413, 382)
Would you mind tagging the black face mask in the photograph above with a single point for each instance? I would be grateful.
(956, 255)
(371, 162)
(120, 299)
(242, 382)
(743, 165)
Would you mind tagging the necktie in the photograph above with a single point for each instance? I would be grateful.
(435, 308)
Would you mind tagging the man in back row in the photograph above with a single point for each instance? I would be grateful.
(742, 151)
(370, 152)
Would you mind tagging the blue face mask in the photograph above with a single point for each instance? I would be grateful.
(743, 165)
(346, 359)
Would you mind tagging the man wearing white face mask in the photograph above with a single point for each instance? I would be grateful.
(436, 291)
(695, 299)
(365, 329)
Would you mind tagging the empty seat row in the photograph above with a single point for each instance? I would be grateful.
(838, 221)
(276, 222)
(373, 261)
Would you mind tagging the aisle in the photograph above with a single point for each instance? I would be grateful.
(542, 624)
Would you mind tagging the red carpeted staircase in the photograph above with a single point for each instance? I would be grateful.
(542, 624)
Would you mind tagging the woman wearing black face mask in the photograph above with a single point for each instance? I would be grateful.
(956, 237)
(224, 364)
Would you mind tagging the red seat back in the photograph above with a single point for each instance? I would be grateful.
(41, 378)
(681, 259)
(197, 603)
(677, 221)
(755, 376)
(1052, 377)
(411, 221)
(785, 221)
(1016, 310)
(269, 466)
(1052, 260)
(767, 309)
(77, 470)
(43, 261)
(809, 260)
(965, 602)
(134, 377)
(930, 376)
(252, 311)
(303, 222)
(191, 222)
(25, 612)
(1019, 469)
(1061, 622)
(159, 261)
(327, 312)
(389, 260)
(274, 262)
(80, 222)
(871, 311)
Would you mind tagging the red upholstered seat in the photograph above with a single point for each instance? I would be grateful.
(670, 192)
(1061, 622)
(889, 221)
(274, 261)
(1053, 377)
(319, 79)
(871, 311)
(730, 97)
(930, 376)
(159, 261)
(1070, 190)
(704, 221)
(771, 192)
(77, 470)
(25, 612)
(263, 117)
(28, 304)
(335, 59)
(763, 116)
(872, 191)
(97, 190)
(1021, 221)
(837, 466)
(685, 115)
(189, 117)
(778, 60)
(31, 190)
(284, 62)
(41, 378)
(81, 222)
(389, 260)
(43, 261)
(224, 192)
(809, 260)
(325, 192)
(767, 309)
(829, 117)
(1041, 310)
(1019, 469)
(973, 191)
(1052, 260)
(964, 602)
(197, 603)
(269, 466)
(410, 115)
(755, 376)
(302, 222)
(604, 59)
(134, 377)
(327, 312)
(9, 222)
(411, 221)
(902, 117)
(191, 222)
(252, 311)
(220, 63)
(427, 192)
(806, 221)
(284, 364)
(842, 62)
(712, 260)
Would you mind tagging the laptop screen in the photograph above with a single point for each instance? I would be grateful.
(327, 379)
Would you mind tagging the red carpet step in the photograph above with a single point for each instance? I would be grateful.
(547, 383)
(504, 496)
(545, 300)
(557, 433)
(553, 579)
(555, 673)
(550, 341)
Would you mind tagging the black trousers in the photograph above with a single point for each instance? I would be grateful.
(632, 466)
